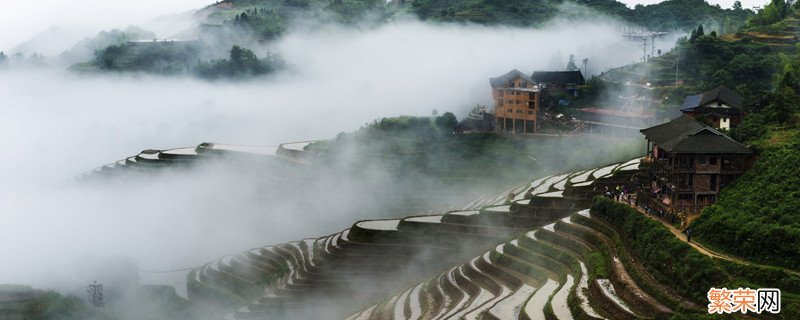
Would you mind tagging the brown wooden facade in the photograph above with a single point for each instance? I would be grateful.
(516, 103)
(689, 163)
(721, 108)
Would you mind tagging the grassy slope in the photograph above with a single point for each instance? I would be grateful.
(676, 264)
(758, 217)
(23, 302)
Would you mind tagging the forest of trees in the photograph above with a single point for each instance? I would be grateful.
(773, 12)
(241, 63)
(667, 15)
(162, 57)
(260, 22)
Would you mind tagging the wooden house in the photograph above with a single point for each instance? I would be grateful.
(720, 107)
(516, 102)
(691, 162)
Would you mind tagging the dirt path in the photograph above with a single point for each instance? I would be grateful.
(701, 248)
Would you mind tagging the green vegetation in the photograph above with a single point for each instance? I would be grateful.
(241, 64)
(427, 146)
(85, 49)
(773, 12)
(354, 11)
(597, 264)
(162, 57)
(172, 58)
(23, 302)
(676, 264)
(52, 305)
(685, 14)
(667, 15)
(249, 21)
(758, 218)
(260, 22)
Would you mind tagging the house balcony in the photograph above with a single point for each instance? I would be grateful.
(732, 169)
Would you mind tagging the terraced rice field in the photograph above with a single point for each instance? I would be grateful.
(489, 259)
(544, 273)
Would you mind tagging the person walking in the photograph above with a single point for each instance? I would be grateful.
(688, 235)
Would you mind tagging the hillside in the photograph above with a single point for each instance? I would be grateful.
(407, 146)
(496, 257)
(760, 62)
(761, 208)
(667, 15)
(478, 226)
(23, 302)
(254, 23)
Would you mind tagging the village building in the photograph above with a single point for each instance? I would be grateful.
(478, 120)
(516, 102)
(720, 107)
(689, 163)
(555, 82)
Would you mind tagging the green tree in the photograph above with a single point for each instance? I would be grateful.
(789, 78)
(571, 64)
(242, 63)
(95, 292)
(697, 33)
(783, 106)
(447, 121)
(722, 77)
(773, 12)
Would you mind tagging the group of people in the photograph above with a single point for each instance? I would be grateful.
(619, 193)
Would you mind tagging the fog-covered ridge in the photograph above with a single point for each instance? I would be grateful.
(59, 124)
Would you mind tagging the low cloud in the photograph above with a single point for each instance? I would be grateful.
(56, 125)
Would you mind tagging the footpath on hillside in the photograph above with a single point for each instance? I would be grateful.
(680, 235)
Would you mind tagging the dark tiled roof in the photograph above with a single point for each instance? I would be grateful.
(713, 111)
(708, 140)
(718, 94)
(511, 75)
(691, 101)
(558, 77)
(685, 135)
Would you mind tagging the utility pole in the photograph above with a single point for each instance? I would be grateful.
(676, 69)
(653, 46)
(586, 71)
(644, 49)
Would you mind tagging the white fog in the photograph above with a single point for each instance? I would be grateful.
(55, 125)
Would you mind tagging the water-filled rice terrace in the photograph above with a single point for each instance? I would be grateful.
(542, 256)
